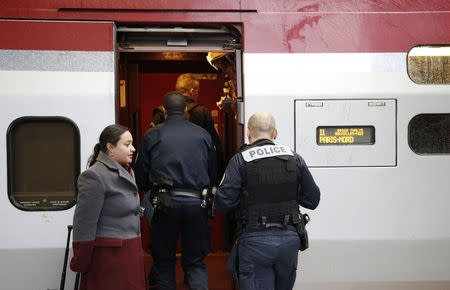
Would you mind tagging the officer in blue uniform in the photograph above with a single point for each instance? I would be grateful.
(266, 183)
(188, 85)
(182, 153)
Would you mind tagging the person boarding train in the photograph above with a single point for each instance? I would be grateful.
(177, 160)
(266, 183)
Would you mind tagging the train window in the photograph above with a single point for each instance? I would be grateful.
(43, 163)
(429, 64)
(429, 133)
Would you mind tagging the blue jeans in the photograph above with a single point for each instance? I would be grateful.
(268, 258)
(187, 217)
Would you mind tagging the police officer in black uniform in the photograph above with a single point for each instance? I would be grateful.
(182, 154)
(188, 85)
(266, 183)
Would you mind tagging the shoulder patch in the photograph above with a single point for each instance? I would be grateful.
(265, 151)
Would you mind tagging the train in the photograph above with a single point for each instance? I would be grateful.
(360, 89)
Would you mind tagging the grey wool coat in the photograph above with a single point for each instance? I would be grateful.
(107, 246)
(108, 200)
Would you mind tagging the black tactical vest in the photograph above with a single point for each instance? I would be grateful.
(270, 192)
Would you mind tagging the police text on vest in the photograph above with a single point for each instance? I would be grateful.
(265, 151)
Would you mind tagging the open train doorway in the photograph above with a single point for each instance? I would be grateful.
(150, 60)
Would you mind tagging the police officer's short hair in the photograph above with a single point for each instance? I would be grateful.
(174, 103)
(262, 123)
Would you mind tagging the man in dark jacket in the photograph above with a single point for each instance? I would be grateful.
(183, 155)
(188, 85)
(266, 183)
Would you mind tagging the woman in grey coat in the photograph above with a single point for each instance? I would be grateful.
(107, 237)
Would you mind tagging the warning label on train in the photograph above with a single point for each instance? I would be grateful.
(44, 200)
(345, 135)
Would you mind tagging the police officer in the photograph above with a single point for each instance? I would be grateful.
(188, 85)
(266, 183)
(182, 153)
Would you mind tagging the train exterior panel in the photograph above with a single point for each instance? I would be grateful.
(42, 76)
(384, 222)
(383, 218)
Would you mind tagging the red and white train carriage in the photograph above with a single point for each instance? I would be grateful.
(369, 114)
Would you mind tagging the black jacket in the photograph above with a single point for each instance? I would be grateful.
(201, 116)
(177, 150)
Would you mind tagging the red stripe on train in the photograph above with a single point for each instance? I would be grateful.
(57, 35)
(237, 5)
(263, 32)
(344, 32)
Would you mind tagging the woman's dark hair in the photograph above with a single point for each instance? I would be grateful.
(110, 134)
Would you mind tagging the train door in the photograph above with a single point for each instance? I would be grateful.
(150, 61)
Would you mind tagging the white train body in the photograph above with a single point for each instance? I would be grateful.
(382, 222)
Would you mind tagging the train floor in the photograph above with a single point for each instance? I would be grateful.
(216, 264)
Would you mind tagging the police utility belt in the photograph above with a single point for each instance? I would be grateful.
(206, 196)
(162, 190)
(187, 193)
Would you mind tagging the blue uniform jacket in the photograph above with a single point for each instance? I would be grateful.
(176, 150)
(228, 195)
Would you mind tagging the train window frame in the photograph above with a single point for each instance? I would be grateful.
(11, 163)
(428, 52)
(410, 124)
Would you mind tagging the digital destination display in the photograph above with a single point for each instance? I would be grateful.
(345, 135)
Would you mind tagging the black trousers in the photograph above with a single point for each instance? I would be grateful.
(187, 217)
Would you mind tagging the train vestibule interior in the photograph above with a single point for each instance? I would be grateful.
(149, 62)
(146, 77)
